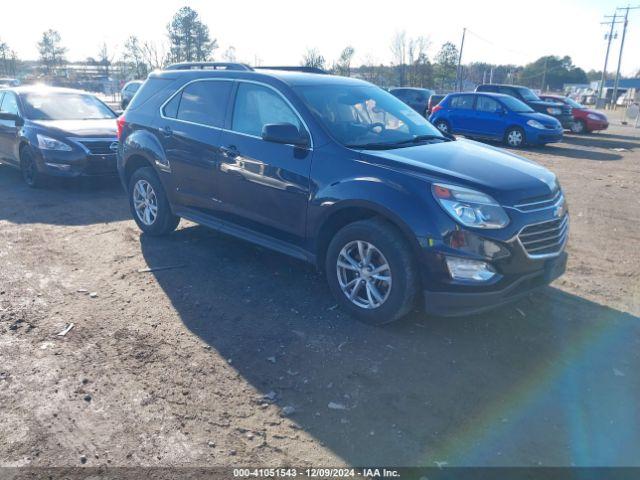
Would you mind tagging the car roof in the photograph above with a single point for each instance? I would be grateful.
(290, 78)
(485, 94)
(412, 88)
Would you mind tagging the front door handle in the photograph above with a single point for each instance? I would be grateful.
(230, 151)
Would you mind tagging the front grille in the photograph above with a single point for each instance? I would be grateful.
(99, 147)
(538, 203)
(545, 238)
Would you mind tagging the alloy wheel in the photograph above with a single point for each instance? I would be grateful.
(515, 138)
(443, 127)
(145, 202)
(577, 127)
(364, 274)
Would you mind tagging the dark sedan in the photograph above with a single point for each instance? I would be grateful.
(58, 132)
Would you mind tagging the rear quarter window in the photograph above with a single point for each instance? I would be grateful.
(151, 88)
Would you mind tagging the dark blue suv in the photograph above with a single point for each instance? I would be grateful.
(337, 172)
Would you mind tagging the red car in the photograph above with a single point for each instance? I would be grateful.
(585, 120)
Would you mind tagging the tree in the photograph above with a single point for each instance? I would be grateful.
(343, 66)
(133, 57)
(552, 72)
(155, 55)
(313, 59)
(229, 54)
(446, 62)
(51, 50)
(8, 60)
(399, 56)
(104, 59)
(420, 71)
(189, 37)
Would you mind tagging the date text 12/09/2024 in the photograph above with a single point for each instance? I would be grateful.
(315, 473)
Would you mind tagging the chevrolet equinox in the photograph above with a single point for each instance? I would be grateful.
(337, 172)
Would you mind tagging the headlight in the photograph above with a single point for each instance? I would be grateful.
(48, 143)
(593, 116)
(470, 207)
(535, 124)
(554, 111)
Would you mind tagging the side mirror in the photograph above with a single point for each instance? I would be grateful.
(286, 133)
(12, 117)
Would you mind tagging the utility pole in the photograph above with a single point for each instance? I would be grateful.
(459, 71)
(544, 74)
(624, 33)
(606, 58)
(491, 75)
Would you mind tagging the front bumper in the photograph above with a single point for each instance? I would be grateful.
(451, 304)
(76, 164)
(537, 136)
(593, 125)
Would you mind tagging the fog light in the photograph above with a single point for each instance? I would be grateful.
(466, 269)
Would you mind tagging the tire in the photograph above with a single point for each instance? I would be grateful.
(29, 169)
(443, 126)
(146, 191)
(514, 137)
(395, 297)
(578, 127)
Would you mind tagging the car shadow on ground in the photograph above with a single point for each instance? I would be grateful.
(603, 140)
(565, 150)
(550, 380)
(88, 200)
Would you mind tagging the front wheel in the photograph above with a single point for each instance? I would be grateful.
(443, 126)
(578, 127)
(29, 168)
(514, 137)
(371, 271)
(149, 205)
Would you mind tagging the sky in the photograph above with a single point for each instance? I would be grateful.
(278, 32)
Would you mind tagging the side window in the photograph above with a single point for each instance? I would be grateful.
(204, 102)
(171, 108)
(257, 106)
(401, 94)
(464, 102)
(486, 104)
(508, 91)
(9, 104)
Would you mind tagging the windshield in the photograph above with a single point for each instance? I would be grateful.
(64, 106)
(573, 103)
(516, 105)
(367, 116)
(528, 95)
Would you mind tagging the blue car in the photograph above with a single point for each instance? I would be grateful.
(496, 117)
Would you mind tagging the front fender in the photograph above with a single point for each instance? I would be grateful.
(406, 204)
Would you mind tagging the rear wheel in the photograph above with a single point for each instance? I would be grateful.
(371, 271)
(29, 168)
(514, 137)
(443, 126)
(149, 205)
(578, 126)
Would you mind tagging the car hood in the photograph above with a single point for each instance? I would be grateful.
(544, 104)
(509, 178)
(105, 128)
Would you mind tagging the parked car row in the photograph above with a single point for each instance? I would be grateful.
(333, 171)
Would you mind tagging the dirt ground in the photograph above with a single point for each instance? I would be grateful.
(233, 357)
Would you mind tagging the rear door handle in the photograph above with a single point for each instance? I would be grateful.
(230, 151)
(166, 131)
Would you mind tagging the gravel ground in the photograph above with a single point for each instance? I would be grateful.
(238, 356)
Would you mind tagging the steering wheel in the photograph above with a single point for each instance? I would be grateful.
(379, 125)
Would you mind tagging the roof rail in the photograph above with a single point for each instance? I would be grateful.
(295, 69)
(208, 66)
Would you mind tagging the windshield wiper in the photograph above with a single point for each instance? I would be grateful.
(390, 145)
